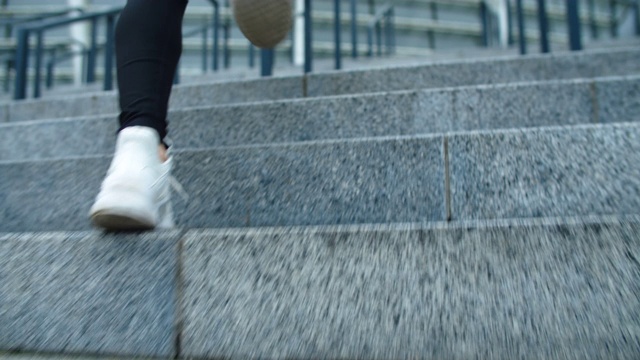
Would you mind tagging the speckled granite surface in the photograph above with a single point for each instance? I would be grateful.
(537, 173)
(452, 73)
(562, 288)
(515, 290)
(89, 293)
(530, 68)
(606, 100)
(557, 171)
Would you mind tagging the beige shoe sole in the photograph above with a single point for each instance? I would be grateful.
(264, 22)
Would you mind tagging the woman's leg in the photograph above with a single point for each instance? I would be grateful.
(148, 48)
(135, 193)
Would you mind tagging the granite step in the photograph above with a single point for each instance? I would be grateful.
(482, 107)
(524, 288)
(552, 171)
(587, 64)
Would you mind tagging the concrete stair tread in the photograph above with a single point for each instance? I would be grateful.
(494, 289)
(434, 75)
(396, 113)
(552, 171)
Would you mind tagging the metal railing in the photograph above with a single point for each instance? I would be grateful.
(38, 25)
(383, 18)
(38, 30)
(574, 25)
(9, 22)
(58, 54)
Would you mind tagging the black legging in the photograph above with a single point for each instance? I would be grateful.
(148, 48)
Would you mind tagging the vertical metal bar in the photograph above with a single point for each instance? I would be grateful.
(522, 36)
(510, 39)
(573, 19)
(484, 21)
(252, 56)
(266, 65)
(636, 15)
(216, 44)
(370, 41)
(308, 38)
(91, 66)
(379, 38)
(392, 30)
(22, 65)
(387, 32)
(50, 70)
(433, 6)
(337, 29)
(612, 18)
(205, 50)
(38, 65)
(226, 49)
(544, 26)
(593, 25)
(7, 74)
(354, 29)
(109, 52)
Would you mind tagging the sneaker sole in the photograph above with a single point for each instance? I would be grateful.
(119, 222)
(110, 213)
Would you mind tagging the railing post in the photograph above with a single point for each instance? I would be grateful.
(593, 25)
(93, 50)
(484, 21)
(544, 26)
(7, 74)
(612, 18)
(522, 36)
(50, 69)
(22, 64)
(370, 41)
(573, 19)
(337, 29)
(636, 15)
(38, 65)
(109, 52)
(205, 51)
(392, 29)
(387, 32)
(266, 56)
(354, 29)
(510, 39)
(308, 38)
(216, 44)
(433, 9)
(379, 38)
(226, 51)
(252, 56)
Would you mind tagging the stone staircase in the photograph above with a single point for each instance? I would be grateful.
(484, 208)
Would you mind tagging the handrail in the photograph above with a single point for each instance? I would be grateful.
(38, 28)
(10, 22)
(386, 15)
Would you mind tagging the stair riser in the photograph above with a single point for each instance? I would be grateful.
(553, 172)
(519, 69)
(606, 100)
(89, 293)
(535, 68)
(517, 289)
(182, 96)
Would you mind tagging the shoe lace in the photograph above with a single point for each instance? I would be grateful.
(178, 188)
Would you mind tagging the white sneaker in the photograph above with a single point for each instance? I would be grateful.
(135, 194)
